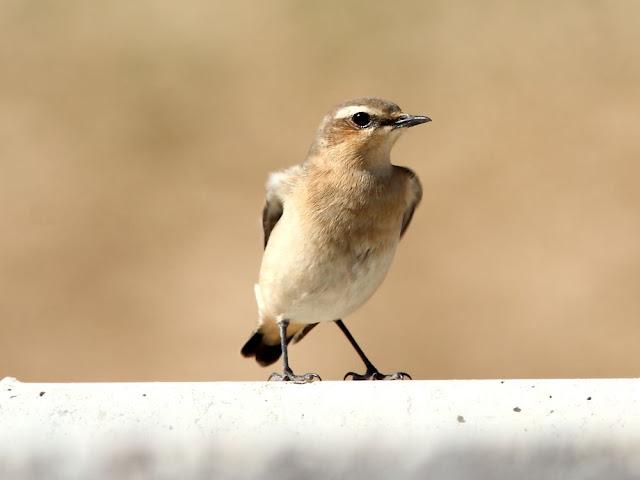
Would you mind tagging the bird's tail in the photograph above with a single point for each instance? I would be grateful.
(264, 343)
(264, 347)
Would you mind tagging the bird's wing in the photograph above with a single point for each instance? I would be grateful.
(278, 185)
(271, 213)
(414, 195)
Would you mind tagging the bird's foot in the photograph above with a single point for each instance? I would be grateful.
(376, 375)
(289, 376)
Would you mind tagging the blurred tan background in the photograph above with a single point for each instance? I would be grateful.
(135, 139)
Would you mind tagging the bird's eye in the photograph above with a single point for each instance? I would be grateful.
(361, 119)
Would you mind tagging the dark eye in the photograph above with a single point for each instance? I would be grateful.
(362, 119)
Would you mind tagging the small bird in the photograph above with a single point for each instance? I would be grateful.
(331, 228)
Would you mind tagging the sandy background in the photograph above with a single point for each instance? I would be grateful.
(135, 139)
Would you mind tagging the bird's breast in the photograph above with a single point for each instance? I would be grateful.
(324, 261)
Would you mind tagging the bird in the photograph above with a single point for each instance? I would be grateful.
(331, 227)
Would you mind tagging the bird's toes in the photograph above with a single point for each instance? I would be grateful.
(397, 376)
(276, 377)
(311, 377)
(376, 375)
(291, 377)
(356, 376)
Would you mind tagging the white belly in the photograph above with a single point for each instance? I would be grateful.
(304, 283)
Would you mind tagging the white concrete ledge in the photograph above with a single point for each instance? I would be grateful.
(441, 429)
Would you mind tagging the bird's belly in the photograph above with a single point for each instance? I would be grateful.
(308, 284)
(351, 287)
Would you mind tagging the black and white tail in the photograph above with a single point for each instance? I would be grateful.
(264, 343)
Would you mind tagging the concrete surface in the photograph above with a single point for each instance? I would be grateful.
(447, 429)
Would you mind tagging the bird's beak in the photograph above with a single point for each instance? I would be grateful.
(406, 121)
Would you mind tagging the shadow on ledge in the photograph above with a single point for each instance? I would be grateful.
(137, 462)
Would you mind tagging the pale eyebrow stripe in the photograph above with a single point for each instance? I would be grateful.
(350, 110)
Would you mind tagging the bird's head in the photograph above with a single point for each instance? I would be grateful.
(364, 128)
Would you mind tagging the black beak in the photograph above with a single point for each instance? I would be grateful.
(406, 121)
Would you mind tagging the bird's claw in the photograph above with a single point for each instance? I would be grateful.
(291, 377)
(376, 375)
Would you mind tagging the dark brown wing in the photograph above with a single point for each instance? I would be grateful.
(271, 213)
(278, 184)
(414, 197)
(406, 219)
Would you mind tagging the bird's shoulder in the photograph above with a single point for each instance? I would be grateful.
(278, 188)
(281, 182)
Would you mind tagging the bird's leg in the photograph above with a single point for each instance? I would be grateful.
(287, 374)
(372, 372)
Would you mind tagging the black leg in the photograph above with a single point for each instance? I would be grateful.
(372, 372)
(354, 344)
(287, 374)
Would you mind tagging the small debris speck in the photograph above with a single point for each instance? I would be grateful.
(517, 409)
(501, 381)
(551, 411)
(144, 394)
(461, 419)
(550, 396)
(42, 393)
(588, 398)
